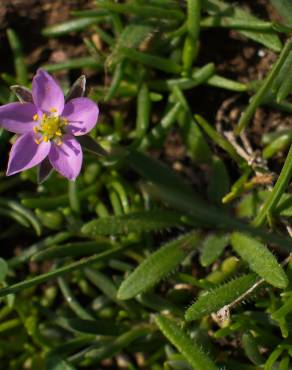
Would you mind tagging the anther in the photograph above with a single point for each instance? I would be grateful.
(35, 117)
(53, 110)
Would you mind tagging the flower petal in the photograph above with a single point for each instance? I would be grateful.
(17, 117)
(67, 157)
(46, 92)
(82, 114)
(25, 153)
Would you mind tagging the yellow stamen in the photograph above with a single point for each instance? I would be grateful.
(51, 128)
(38, 141)
(53, 110)
(58, 133)
(35, 117)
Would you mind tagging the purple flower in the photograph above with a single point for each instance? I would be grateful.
(47, 127)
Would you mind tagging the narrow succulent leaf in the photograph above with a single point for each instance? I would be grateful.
(57, 363)
(251, 349)
(167, 186)
(22, 93)
(77, 90)
(75, 63)
(28, 283)
(118, 344)
(215, 299)
(76, 249)
(132, 36)
(70, 26)
(219, 183)
(259, 259)
(268, 39)
(22, 212)
(96, 326)
(20, 65)
(212, 248)
(264, 88)
(275, 195)
(3, 269)
(134, 222)
(145, 11)
(158, 265)
(191, 350)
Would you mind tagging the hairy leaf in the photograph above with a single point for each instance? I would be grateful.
(212, 300)
(158, 265)
(185, 345)
(134, 222)
(259, 259)
(213, 246)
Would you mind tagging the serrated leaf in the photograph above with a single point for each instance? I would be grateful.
(134, 222)
(213, 246)
(191, 350)
(158, 265)
(259, 259)
(212, 300)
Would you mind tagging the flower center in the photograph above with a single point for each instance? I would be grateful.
(51, 127)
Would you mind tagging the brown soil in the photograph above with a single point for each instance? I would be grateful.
(234, 56)
(28, 18)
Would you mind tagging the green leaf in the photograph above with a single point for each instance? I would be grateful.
(219, 183)
(259, 259)
(56, 363)
(212, 300)
(284, 8)
(251, 349)
(213, 246)
(158, 265)
(134, 222)
(132, 36)
(166, 185)
(186, 346)
(232, 12)
(70, 26)
(3, 269)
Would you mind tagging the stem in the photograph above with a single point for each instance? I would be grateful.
(258, 98)
(277, 191)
